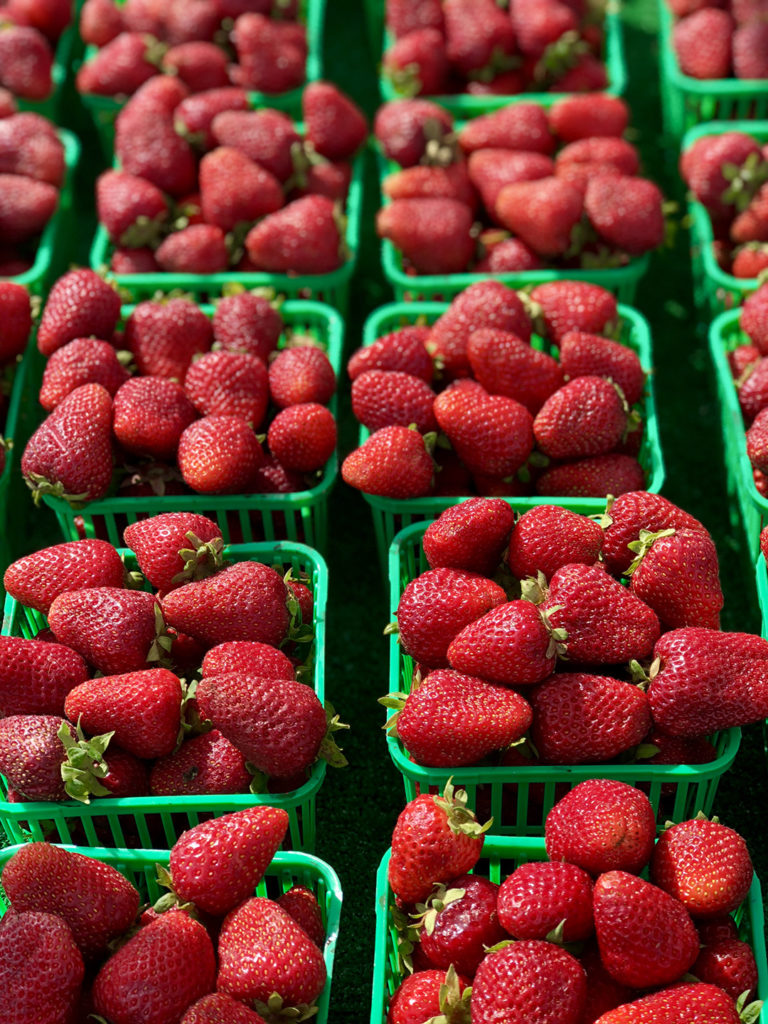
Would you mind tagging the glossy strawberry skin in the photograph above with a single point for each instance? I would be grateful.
(383, 398)
(301, 903)
(538, 896)
(506, 365)
(220, 455)
(392, 462)
(81, 361)
(16, 311)
(639, 510)
(157, 541)
(219, 1006)
(593, 477)
(80, 304)
(585, 417)
(697, 1003)
(303, 437)
(510, 645)
(582, 353)
(36, 579)
(334, 124)
(402, 350)
(491, 434)
(229, 384)
(31, 755)
(574, 306)
(543, 213)
(729, 964)
(301, 374)
(164, 337)
(464, 928)
(471, 535)
(149, 416)
(433, 234)
(548, 537)
(206, 764)
(36, 676)
(302, 238)
(42, 968)
(248, 656)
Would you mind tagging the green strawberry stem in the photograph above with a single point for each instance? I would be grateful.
(745, 181)
(460, 818)
(454, 1005)
(274, 1012)
(329, 751)
(396, 702)
(85, 764)
(39, 486)
(425, 917)
(643, 545)
(407, 937)
(749, 1013)
(160, 648)
(559, 57)
(201, 559)
(534, 589)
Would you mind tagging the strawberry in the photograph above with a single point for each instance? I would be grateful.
(702, 42)
(132, 209)
(583, 117)
(406, 129)
(193, 117)
(302, 238)
(303, 437)
(506, 365)
(583, 354)
(79, 304)
(614, 154)
(703, 864)
(100, 22)
(417, 63)
(574, 306)
(36, 579)
(127, 774)
(393, 462)
(171, 961)
(164, 337)
(161, 544)
(717, 929)
(587, 416)
(147, 145)
(529, 980)
(26, 61)
(632, 512)
(404, 16)
(197, 249)
(433, 234)
(581, 718)
(382, 398)
(491, 169)
(694, 1002)
(199, 64)
(246, 601)
(271, 55)
(26, 206)
(626, 212)
(750, 51)
(588, 74)
(702, 165)
(435, 839)
(539, 896)
(458, 930)
(228, 384)
(94, 899)
(708, 680)
(543, 213)
(538, 25)
(730, 965)
(509, 257)
(30, 146)
(491, 434)
(603, 992)
(249, 968)
(16, 311)
(218, 863)
(548, 537)
(753, 391)
(301, 903)
(36, 676)
(437, 605)
(41, 968)
(401, 350)
(219, 455)
(70, 453)
(430, 182)
(594, 477)
(8, 103)
(604, 622)
(646, 937)
(477, 33)
(265, 136)
(752, 319)
(113, 629)
(32, 755)
(301, 374)
(452, 719)
(218, 1006)
(520, 126)
(471, 536)
(226, 204)
(149, 415)
(278, 724)
(426, 994)
(756, 441)
(205, 764)
(246, 322)
(81, 361)
(133, 261)
(334, 125)
(248, 656)
(120, 67)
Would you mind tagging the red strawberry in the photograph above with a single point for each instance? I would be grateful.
(193, 117)
(16, 311)
(234, 189)
(695, 1003)
(491, 169)
(583, 354)
(80, 304)
(477, 33)
(635, 511)
(404, 16)
(401, 350)
(753, 391)
(548, 537)
(594, 477)
(393, 462)
(26, 206)
(41, 968)
(132, 209)
(702, 43)
(582, 117)
(228, 384)
(581, 718)
(574, 306)
(382, 398)
(539, 25)
(435, 839)
(249, 968)
(70, 453)
(646, 936)
(752, 319)
(82, 361)
(430, 182)
(121, 66)
(451, 719)
(491, 434)
(756, 441)
(126, 776)
(334, 125)
(604, 622)
(303, 437)
(162, 547)
(520, 126)
(301, 903)
(588, 74)
(603, 992)
(417, 63)
(149, 416)
(265, 136)
(36, 579)
(506, 365)
(246, 601)
(199, 64)
(539, 896)
(100, 22)
(164, 337)
(271, 55)
(248, 656)
(36, 676)
(613, 153)
(730, 965)
(509, 257)
(32, 755)
(218, 1006)
(428, 993)
(205, 764)
(587, 416)
(197, 249)
(302, 238)
(626, 212)
(750, 51)
(26, 60)
(302, 373)
(459, 926)
(218, 863)
(405, 129)
(246, 322)
(703, 864)
(8, 103)
(94, 899)
(171, 961)
(529, 980)
(702, 164)
(29, 146)
(432, 234)
(543, 213)
(471, 535)
(133, 261)
(219, 455)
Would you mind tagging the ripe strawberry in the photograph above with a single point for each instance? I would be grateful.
(82, 361)
(708, 680)
(26, 60)
(477, 33)
(302, 373)
(218, 1006)
(404, 16)
(26, 206)
(205, 764)
(333, 123)
(520, 126)
(646, 937)
(752, 391)
(750, 51)
(41, 968)
(271, 55)
(635, 511)
(428, 993)
(539, 25)
(132, 209)
(246, 601)
(302, 238)
(491, 169)
(581, 718)
(163, 547)
(694, 1002)
(229, 384)
(703, 864)
(120, 67)
(756, 441)
(529, 980)
(587, 416)
(702, 164)
(149, 416)
(249, 968)
(614, 154)
(29, 146)
(582, 117)
(70, 453)
(539, 896)
(584, 354)
(626, 212)
(471, 536)
(453, 719)
(197, 249)
(219, 455)
(595, 477)
(752, 319)
(199, 64)
(702, 42)
(548, 537)
(506, 365)
(16, 312)
(193, 117)
(431, 182)
(491, 434)
(265, 136)
(100, 22)
(458, 930)
(218, 863)
(248, 656)
(301, 903)
(509, 257)
(32, 755)
(574, 306)
(36, 676)
(164, 337)
(603, 992)
(393, 462)
(383, 398)
(246, 322)
(94, 899)
(417, 63)
(133, 261)
(435, 839)
(303, 437)
(729, 964)
(171, 961)
(234, 189)
(406, 129)
(432, 234)
(113, 629)
(79, 304)
(36, 579)
(401, 350)
(543, 213)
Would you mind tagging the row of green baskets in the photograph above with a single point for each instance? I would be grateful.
(152, 822)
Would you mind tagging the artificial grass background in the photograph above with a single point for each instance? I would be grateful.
(357, 806)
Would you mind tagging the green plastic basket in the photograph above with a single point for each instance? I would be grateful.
(724, 336)
(242, 518)
(466, 105)
(331, 288)
(286, 869)
(519, 798)
(687, 101)
(621, 281)
(55, 238)
(151, 821)
(390, 514)
(104, 109)
(499, 859)
(714, 288)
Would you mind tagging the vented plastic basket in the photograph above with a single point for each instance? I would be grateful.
(243, 518)
(287, 869)
(151, 821)
(391, 515)
(519, 798)
(499, 859)
(687, 101)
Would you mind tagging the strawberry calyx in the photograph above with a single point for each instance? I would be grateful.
(405, 80)
(192, 723)
(154, 474)
(170, 900)
(499, 62)
(85, 764)
(442, 148)
(303, 156)
(201, 559)
(454, 1004)
(744, 180)
(559, 57)
(275, 1012)
(643, 545)
(557, 646)
(641, 677)
(40, 485)
(461, 820)
(425, 917)
(749, 1013)
(396, 702)
(160, 648)
(534, 588)
(329, 751)
(145, 231)
(536, 460)
(407, 936)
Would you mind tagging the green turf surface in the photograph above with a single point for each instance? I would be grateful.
(358, 805)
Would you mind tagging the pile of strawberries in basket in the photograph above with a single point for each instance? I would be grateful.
(720, 38)
(29, 33)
